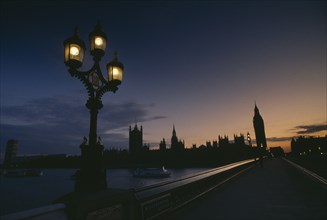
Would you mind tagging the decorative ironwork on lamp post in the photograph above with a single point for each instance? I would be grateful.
(92, 174)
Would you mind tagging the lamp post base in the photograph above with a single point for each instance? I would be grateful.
(90, 181)
(92, 175)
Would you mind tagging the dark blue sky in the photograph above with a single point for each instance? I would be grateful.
(200, 65)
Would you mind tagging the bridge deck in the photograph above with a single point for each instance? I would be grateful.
(275, 191)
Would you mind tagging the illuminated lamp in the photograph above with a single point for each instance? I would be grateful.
(98, 41)
(74, 49)
(115, 70)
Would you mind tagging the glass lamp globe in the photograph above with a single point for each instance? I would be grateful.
(74, 49)
(115, 70)
(98, 41)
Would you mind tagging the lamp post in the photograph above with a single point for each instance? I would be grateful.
(92, 174)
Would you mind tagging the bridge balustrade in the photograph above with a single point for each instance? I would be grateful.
(155, 200)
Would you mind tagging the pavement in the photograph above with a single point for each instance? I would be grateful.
(275, 191)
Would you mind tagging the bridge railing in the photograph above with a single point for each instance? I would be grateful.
(157, 199)
(144, 203)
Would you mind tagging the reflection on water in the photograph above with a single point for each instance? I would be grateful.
(31, 192)
(123, 178)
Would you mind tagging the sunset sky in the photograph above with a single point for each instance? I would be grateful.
(198, 65)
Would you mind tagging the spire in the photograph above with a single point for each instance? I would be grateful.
(174, 131)
(256, 110)
(135, 127)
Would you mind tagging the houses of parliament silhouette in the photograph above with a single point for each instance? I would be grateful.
(136, 138)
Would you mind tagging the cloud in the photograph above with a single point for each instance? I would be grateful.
(300, 130)
(309, 129)
(278, 139)
(36, 139)
(156, 118)
(58, 124)
(45, 111)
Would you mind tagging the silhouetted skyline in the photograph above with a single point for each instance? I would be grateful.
(198, 65)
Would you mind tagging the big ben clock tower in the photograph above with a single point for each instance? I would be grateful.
(259, 129)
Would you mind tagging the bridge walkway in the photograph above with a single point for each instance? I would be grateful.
(275, 191)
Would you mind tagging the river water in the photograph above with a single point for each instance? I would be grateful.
(17, 194)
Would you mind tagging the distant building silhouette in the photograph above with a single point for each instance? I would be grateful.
(162, 145)
(175, 143)
(135, 139)
(223, 141)
(277, 151)
(259, 129)
(303, 146)
(215, 144)
(11, 152)
(208, 144)
(239, 140)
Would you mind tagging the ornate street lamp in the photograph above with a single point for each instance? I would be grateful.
(74, 51)
(92, 174)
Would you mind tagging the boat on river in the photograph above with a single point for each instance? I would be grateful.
(151, 172)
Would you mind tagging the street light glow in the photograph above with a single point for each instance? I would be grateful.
(98, 41)
(115, 72)
(74, 51)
